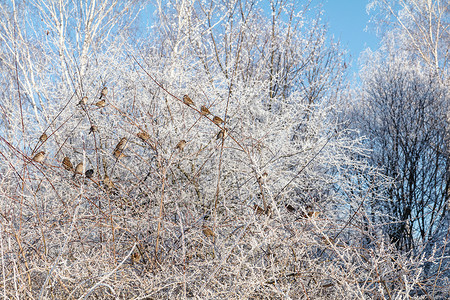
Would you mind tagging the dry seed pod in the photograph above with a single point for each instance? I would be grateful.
(39, 157)
(67, 164)
(187, 100)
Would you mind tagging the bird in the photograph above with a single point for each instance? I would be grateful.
(290, 208)
(222, 134)
(107, 182)
(89, 173)
(204, 110)
(101, 103)
(79, 169)
(187, 100)
(143, 135)
(313, 214)
(118, 154)
(263, 177)
(217, 120)
(94, 128)
(135, 257)
(83, 101)
(121, 144)
(207, 231)
(43, 137)
(181, 144)
(67, 164)
(258, 209)
(103, 92)
(39, 157)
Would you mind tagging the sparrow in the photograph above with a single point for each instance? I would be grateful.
(107, 182)
(258, 209)
(43, 137)
(67, 164)
(187, 100)
(204, 110)
(181, 144)
(217, 120)
(143, 135)
(39, 157)
(118, 154)
(83, 101)
(121, 145)
(79, 169)
(263, 177)
(94, 128)
(101, 103)
(290, 208)
(222, 134)
(135, 257)
(89, 173)
(103, 92)
(207, 231)
(313, 214)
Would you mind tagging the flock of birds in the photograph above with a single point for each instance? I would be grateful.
(120, 147)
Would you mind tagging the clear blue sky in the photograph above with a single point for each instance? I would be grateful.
(347, 20)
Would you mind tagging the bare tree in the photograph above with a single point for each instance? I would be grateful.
(420, 28)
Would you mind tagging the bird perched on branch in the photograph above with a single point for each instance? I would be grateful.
(89, 173)
(187, 100)
(143, 135)
(67, 164)
(258, 209)
(79, 169)
(83, 101)
(121, 144)
(39, 157)
(217, 120)
(222, 134)
(204, 110)
(207, 231)
(118, 154)
(94, 128)
(107, 182)
(181, 144)
(103, 92)
(101, 103)
(43, 137)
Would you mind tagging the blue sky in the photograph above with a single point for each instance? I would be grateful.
(347, 20)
